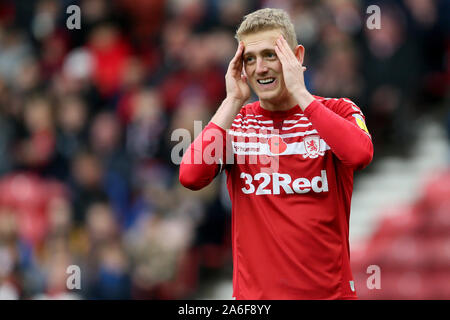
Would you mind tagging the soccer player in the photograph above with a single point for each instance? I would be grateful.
(289, 168)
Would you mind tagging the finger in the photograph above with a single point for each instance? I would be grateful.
(237, 57)
(235, 68)
(243, 71)
(285, 48)
(284, 58)
(280, 54)
(238, 51)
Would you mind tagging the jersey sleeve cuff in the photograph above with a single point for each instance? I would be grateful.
(309, 110)
(212, 125)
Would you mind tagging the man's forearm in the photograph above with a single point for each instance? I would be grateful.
(198, 175)
(199, 166)
(226, 113)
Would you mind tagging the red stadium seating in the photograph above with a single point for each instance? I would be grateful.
(412, 248)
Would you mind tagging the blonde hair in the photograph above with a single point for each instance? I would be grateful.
(268, 19)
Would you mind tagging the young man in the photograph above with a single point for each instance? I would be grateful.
(290, 172)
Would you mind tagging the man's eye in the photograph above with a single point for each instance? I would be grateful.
(249, 59)
(271, 55)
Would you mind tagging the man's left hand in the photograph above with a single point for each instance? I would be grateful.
(292, 73)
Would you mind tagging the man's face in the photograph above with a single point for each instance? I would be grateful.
(262, 66)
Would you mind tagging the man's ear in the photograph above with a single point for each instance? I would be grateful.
(300, 53)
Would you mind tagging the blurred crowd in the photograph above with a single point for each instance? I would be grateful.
(86, 117)
(410, 247)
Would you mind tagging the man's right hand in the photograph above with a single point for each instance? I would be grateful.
(238, 91)
(236, 82)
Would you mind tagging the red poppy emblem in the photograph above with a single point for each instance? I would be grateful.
(277, 145)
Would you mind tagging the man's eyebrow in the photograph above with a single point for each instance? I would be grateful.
(262, 51)
(268, 50)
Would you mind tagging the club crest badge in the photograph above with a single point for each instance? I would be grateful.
(312, 147)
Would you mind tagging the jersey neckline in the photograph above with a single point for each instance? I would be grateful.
(277, 114)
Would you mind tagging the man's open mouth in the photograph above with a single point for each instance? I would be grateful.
(266, 81)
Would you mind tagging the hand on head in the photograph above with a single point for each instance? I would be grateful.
(291, 64)
(235, 79)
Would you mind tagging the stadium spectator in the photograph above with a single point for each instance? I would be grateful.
(86, 117)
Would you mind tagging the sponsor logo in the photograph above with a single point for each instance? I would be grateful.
(245, 150)
(275, 182)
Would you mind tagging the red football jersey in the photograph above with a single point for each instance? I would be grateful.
(290, 180)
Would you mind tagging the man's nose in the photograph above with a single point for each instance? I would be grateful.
(261, 67)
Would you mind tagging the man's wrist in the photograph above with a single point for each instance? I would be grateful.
(235, 104)
(303, 98)
(226, 113)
